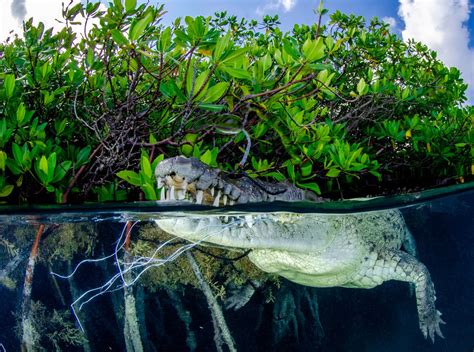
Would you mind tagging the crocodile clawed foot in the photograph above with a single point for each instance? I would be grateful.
(431, 326)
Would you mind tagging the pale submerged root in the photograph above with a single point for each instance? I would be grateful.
(129, 272)
(222, 333)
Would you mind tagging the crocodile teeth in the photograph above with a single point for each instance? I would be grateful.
(159, 182)
(180, 194)
(171, 193)
(217, 199)
(231, 202)
(199, 197)
(163, 193)
(213, 191)
(249, 220)
(224, 200)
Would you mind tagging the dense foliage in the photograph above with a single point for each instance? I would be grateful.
(343, 108)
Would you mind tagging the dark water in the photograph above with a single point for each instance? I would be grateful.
(172, 312)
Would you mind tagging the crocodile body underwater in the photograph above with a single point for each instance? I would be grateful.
(356, 250)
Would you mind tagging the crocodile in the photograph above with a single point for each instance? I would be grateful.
(354, 250)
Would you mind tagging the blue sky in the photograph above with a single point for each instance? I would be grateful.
(446, 26)
(301, 12)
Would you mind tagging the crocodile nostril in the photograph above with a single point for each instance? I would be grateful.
(177, 178)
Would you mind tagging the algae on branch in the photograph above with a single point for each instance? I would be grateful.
(52, 330)
(67, 240)
(218, 272)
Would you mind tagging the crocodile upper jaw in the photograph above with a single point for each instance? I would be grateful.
(182, 178)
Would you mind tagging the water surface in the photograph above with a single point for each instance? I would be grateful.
(170, 307)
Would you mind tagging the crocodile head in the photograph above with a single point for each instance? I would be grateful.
(188, 178)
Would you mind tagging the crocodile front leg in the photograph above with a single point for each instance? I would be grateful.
(401, 266)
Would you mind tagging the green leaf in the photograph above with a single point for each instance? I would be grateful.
(290, 49)
(51, 166)
(118, 5)
(61, 171)
(206, 158)
(130, 5)
(9, 84)
(361, 87)
(17, 153)
(333, 172)
(306, 169)
(43, 164)
(14, 167)
(3, 160)
(20, 113)
(322, 76)
(461, 145)
(215, 92)
(48, 97)
(118, 37)
(157, 160)
(137, 28)
(90, 57)
(211, 107)
(233, 55)
(291, 171)
(131, 177)
(313, 50)
(199, 81)
(236, 72)
(376, 174)
(146, 166)
(313, 186)
(6, 190)
(165, 39)
(83, 155)
(221, 45)
(149, 192)
(320, 8)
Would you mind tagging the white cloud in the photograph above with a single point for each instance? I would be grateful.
(440, 24)
(275, 5)
(7, 21)
(46, 11)
(391, 21)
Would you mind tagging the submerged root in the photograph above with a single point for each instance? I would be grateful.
(185, 316)
(131, 330)
(29, 335)
(221, 330)
(128, 271)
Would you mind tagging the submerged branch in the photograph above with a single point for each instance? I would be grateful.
(221, 330)
(12, 265)
(28, 333)
(131, 330)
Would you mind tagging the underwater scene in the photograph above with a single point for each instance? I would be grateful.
(386, 274)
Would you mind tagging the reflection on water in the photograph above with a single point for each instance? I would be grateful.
(116, 282)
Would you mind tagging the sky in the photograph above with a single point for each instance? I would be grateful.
(446, 26)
